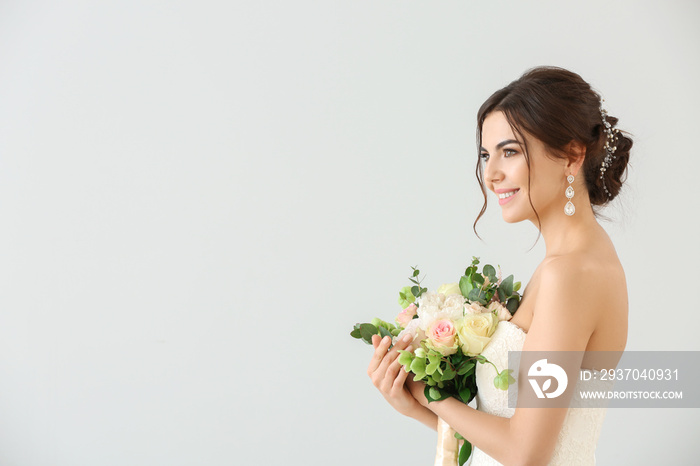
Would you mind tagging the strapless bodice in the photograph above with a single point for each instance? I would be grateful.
(579, 435)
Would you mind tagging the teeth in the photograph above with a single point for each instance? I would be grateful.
(508, 194)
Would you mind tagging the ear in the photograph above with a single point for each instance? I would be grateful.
(578, 151)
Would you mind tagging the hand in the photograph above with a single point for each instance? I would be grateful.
(417, 390)
(389, 376)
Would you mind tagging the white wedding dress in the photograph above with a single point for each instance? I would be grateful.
(579, 435)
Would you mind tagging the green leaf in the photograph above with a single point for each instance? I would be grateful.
(406, 297)
(502, 295)
(413, 281)
(490, 272)
(415, 290)
(516, 287)
(477, 295)
(512, 304)
(366, 332)
(465, 452)
(458, 436)
(465, 367)
(383, 332)
(448, 373)
(405, 358)
(416, 273)
(431, 368)
(465, 286)
(507, 285)
(355, 333)
(478, 279)
(465, 394)
(502, 380)
(434, 393)
(418, 366)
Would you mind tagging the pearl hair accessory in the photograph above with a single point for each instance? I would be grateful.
(610, 148)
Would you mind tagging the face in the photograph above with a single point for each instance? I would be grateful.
(506, 172)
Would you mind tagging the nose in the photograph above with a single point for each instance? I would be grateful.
(492, 172)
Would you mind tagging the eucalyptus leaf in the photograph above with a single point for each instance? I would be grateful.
(383, 332)
(512, 304)
(490, 272)
(477, 295)
(366, 331)
(507, 285)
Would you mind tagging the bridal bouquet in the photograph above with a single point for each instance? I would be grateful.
(450, 329)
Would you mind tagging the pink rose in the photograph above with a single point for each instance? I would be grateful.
(406, 315)
(441, 337)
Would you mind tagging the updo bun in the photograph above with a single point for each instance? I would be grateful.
(614, 175)
(557, 107)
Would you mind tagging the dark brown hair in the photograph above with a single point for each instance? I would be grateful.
(557, 107)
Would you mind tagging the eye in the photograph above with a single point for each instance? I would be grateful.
(511, 151)
(484, 156)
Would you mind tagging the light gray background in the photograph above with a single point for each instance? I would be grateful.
(199, 200)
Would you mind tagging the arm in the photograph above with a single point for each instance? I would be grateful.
(564, 319)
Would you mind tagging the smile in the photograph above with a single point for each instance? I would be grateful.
(506, 197)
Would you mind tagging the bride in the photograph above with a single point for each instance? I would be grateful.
(552, 155)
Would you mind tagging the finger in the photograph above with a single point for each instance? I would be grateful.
(400, 379)
(394, 352)
(393, 370)
(403, 343)
(378, 355)
(375, 340)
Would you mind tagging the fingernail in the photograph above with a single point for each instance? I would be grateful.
(386, 338)
(409, 347)
(407, 338)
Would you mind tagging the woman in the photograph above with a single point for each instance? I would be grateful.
(539, 136)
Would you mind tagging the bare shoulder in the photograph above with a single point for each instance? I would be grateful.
(586, 293)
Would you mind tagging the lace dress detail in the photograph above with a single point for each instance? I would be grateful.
(579, 435)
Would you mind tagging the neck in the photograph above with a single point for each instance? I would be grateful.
(565, 234)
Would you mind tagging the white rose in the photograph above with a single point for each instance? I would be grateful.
(449, 289)
(474, 332)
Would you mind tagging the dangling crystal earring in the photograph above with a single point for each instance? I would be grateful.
(569, 208)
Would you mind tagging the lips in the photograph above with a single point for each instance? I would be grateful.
(504, 200)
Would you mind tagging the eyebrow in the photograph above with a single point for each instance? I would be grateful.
(503, 143)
